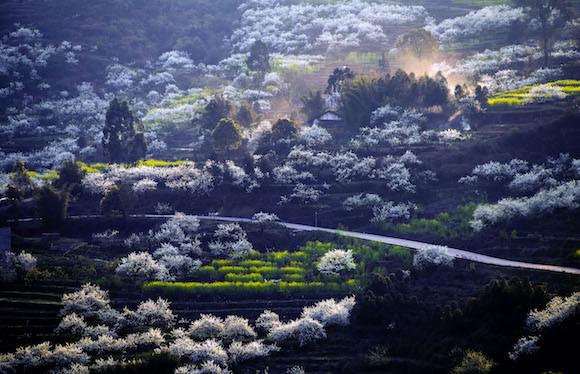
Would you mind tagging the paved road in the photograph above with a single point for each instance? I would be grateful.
(457, 253)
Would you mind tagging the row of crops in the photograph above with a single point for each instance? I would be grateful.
(276, 272)
(551, 91)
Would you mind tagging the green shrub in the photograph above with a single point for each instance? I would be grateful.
(231, 269)
(279, 257)
(266, 271)
(292, 270)
(250, 263)
(207, 271)
(293, 277)
(317, 248)
(252, 277)
(222, 262)
(398, 251)
(161, 163)
(265, 287)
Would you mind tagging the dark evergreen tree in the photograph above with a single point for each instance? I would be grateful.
(481, 95)
(283, 129)
(52, 205)
(70, 175)
(119, 199)
(226, 136)
(216, 109)
(337, 79)
(259, 59)
(120, 141)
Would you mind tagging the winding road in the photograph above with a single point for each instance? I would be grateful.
(456, 253)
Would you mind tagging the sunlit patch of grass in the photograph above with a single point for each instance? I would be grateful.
(192, 98)
(161, 163)
(296, 64)
(505, 101)
(522, 95)
(50, 175)
(97, 167)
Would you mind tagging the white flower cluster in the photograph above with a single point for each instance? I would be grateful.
(525, 346)
(176, 243)
(362, 200)
(521, 177)
(206, 345)
(504, 80)
(231, 240)
(563, 196)
(405, 130)
(557, 310)
(262, 217)
(497, 18)
(432, 255)
(287, 27)
(23, 261)
(313, 136)
(544, 93)
(391, 211)
(310, 327)
(382, 210)
(181, 177)
(336, 262)
(23, 56)
(142, 265)
(510, 58)
(330, 312)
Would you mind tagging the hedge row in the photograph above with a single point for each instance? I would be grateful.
(266, 287)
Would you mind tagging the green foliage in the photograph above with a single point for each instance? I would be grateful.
(252, 277)
(231, 269)
(71, 174)
(226, 136)
(317, 248)
(161, 163)
(119, 199)
(338, 79)
(52, 205)
(222, 262)
(418, 42)
(20, 177)
(216, 109)
(293, 277)
(254, 263)
(120, 141)
(97, 167)
(292, 270)
(283, 129)
(259, 58)
(522, 95)
(398, 251)
(50, 176)
(361, 96)
(266, 271)
(447, 225)
(473, 362)
(502, 305)
(250, 288)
